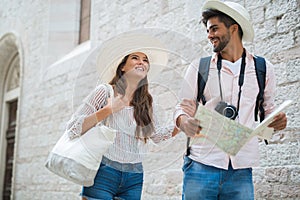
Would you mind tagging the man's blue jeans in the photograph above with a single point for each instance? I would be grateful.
(203, 182)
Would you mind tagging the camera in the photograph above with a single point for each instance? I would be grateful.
(227, 110)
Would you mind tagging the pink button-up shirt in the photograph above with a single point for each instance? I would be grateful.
(208, 153)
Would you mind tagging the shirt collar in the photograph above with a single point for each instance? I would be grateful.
(215, 57)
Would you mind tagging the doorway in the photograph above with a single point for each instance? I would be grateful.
(10, 144)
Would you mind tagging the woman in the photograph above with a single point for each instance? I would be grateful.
(131, 113)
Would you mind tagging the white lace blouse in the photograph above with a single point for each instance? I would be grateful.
(126, 147)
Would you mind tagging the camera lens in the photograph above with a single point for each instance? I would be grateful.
(230, 112)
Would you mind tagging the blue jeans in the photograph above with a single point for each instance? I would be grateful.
(210, 183)
(111, 184)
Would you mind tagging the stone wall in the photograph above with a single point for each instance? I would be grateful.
(53, 83)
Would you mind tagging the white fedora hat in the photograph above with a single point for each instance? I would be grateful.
(236, 12)
(112, 51)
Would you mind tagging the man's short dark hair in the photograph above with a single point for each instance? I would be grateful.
(227, 20)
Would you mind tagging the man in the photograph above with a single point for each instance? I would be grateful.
(210, 173)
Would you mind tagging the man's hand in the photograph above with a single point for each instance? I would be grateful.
(187, 123)
(190, 126)
(279, 122)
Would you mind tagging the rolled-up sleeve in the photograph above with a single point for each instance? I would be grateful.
(189, 87)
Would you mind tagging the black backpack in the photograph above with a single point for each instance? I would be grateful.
(260, 69)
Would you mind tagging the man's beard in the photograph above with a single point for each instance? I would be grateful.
(224, 40)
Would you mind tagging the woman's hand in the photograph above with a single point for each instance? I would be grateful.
(117, 103)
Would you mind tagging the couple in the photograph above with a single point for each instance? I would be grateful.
(209, 173)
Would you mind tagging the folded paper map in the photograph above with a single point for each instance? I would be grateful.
(228, 134)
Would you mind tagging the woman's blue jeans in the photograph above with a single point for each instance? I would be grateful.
(203, 182)
(114, 184)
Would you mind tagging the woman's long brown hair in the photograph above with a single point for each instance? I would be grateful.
(141, 102)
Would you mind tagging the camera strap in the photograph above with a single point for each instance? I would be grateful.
(241, 77)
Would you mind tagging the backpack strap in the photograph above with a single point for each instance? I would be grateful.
(202, 78)
(260, 69)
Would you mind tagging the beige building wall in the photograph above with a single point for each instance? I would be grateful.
(52, 82)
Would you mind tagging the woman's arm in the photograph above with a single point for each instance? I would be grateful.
(94, 118)
(84, 117)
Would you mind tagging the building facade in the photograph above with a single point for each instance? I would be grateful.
(44, 75)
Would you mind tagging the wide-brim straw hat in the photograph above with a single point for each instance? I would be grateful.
(111, 52)
(236, 12)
